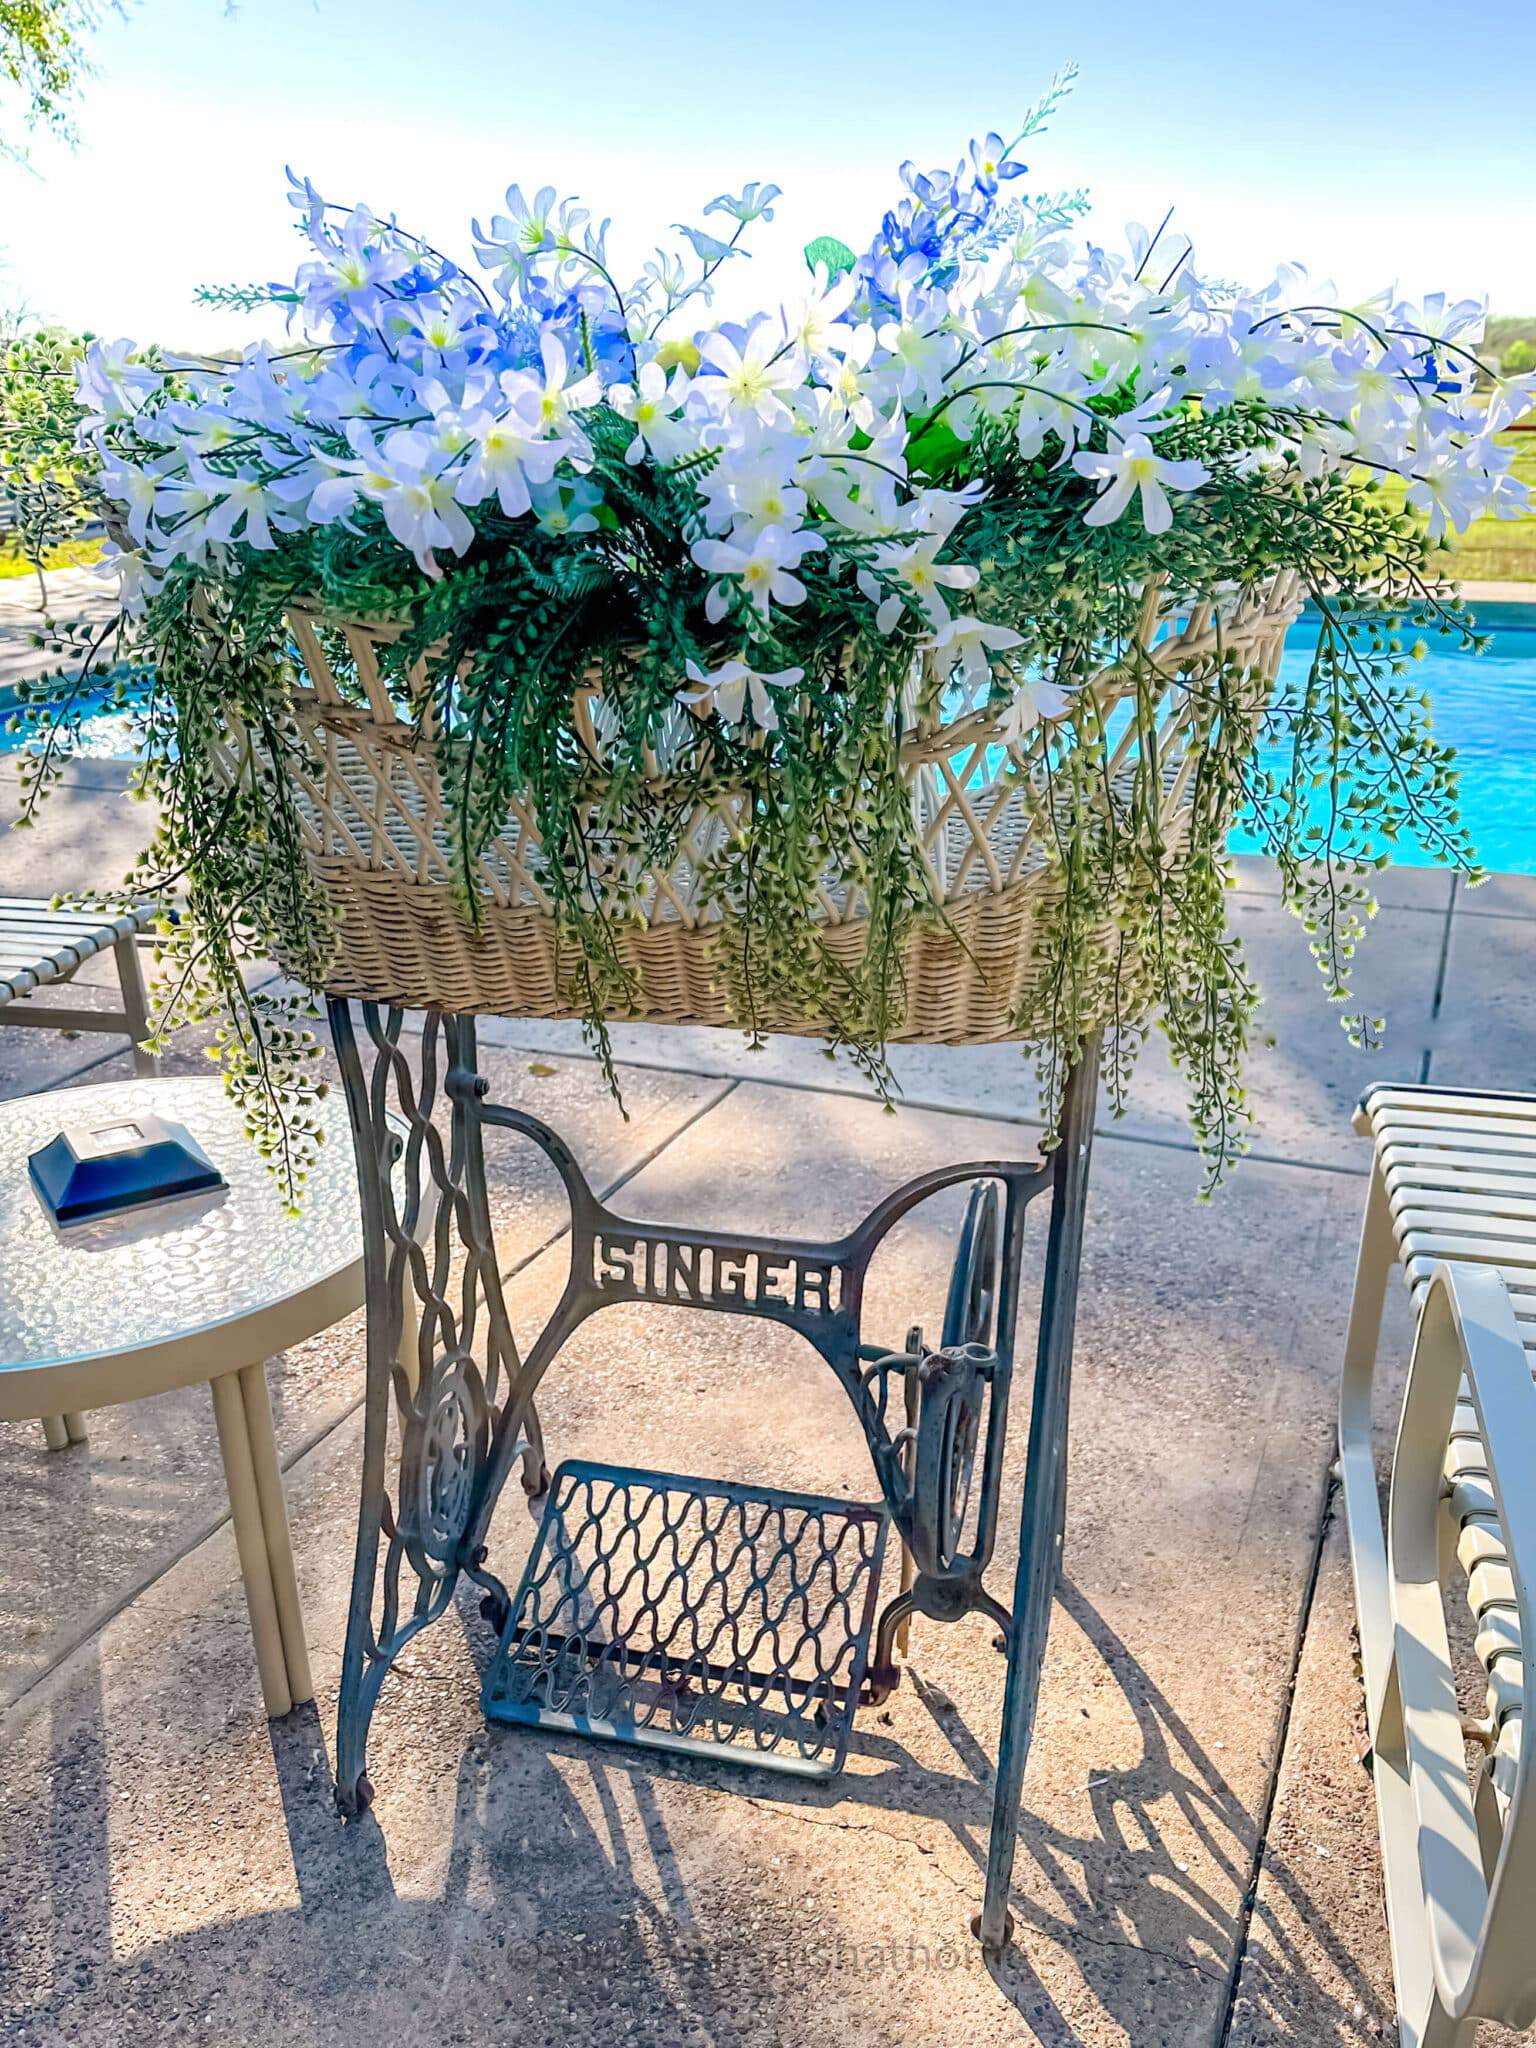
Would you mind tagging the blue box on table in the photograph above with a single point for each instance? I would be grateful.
(92, 1170)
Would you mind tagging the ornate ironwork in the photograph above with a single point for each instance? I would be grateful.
(694, 1616)
(445, 1375)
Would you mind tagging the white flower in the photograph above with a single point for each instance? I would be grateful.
(1030, 702)
(421, 513)
(862, 494)
(940, 512)
(515, 238)
(752, 379)
(1056, 402)
(750, 487)
(1320, 447)
(237, 506)
(652, 407)
(921, 349)
(962, 647)
(442, 326)
(111, 385)
(180, 522)
(848, 378)
(762, 562)
(133, 488)
(356, 271)
(409, 479)
(567, 507)
(735, 684)
(1130, 466)
(1448, 484)
(511, 452)
(914, 565)
(135, 581)
(561, 394)
(1511, 399)
(755, 202)
(1443, 318)
(814, 324)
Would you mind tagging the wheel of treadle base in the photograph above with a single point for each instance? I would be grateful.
(952, 1389)
(972, 1303)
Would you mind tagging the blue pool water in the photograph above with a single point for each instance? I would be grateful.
(1484, 706)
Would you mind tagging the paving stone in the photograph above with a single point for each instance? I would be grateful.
(182, 1880)
(1499, 896)
(87, 833)
(1485, 1035)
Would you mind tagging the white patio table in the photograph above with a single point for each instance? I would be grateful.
(207, 1287)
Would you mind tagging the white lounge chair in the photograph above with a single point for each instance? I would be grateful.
(43, 948)
(1453, 1200)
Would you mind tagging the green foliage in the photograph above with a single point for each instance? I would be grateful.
(42, 61)
(836, 255)
(44, 472)
(1132, 931)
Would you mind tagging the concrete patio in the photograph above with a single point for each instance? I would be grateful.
(1197, 1863)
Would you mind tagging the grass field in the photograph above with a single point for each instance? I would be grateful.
(78, 554)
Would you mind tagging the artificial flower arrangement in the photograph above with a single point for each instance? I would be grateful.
(618, 568)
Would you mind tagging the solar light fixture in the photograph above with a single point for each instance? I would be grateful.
(92, 1170)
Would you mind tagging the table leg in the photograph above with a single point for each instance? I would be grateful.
(55, 1433)
(274, 1521)
(251, 1542)
(75, 1425)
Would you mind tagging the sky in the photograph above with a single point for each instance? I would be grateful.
(1377, 144)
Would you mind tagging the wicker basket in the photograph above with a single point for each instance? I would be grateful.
(377, 837)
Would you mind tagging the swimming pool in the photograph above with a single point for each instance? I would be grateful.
(1484, 706)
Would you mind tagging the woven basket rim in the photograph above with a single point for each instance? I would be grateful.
(1262, 605)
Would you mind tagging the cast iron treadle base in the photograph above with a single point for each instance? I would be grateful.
(693, 1615)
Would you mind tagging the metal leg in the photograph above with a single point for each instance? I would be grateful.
(896, 1626)
(274, 1523)
(441, 1361)
(55, 1433)
(130, 977)
(250, 1540)
(74, 1426)
(1040, 1536)
(1357, 1452)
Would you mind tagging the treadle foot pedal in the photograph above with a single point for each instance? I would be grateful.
(694, 1616)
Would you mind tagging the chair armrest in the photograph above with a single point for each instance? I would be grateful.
(1481, 1950)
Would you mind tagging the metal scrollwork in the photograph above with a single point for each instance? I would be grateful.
(689, 1666)
(441, 1456)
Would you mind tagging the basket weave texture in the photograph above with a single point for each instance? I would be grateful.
(377, 836)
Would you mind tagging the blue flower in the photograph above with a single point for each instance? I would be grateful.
(755, 202)
(990, 157)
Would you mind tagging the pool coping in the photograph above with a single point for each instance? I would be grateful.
(1498, 593)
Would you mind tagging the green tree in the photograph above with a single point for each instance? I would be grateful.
(42, 64)
(1519, 357)
(45, 474)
